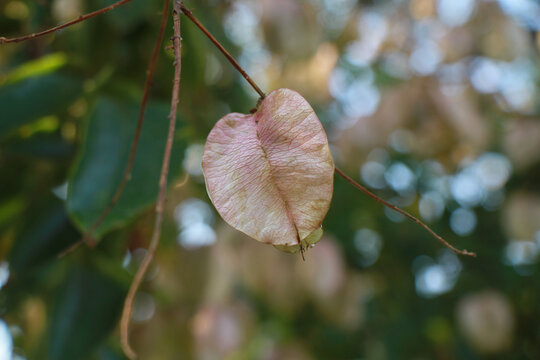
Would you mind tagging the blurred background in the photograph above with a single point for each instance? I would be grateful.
(432, 104)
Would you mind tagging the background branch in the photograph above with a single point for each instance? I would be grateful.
(81, 18)
(128, 305)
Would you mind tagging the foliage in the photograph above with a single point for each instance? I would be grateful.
(433, 110)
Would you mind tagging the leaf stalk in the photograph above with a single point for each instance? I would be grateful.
(229, 57)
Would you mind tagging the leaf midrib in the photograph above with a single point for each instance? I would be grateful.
(274, 182)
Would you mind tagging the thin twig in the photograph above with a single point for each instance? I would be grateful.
(190, 15)
(229, 57)
(403, 212)
(126, 314)
(81, 18)
(133, 150)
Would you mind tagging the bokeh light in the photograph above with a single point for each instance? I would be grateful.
(369, 244)
(6, 342)
(431, 104)
(195, 218)
(4, 273)
(463, 221)
(434, 278)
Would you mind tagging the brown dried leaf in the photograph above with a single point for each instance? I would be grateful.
(270, 174)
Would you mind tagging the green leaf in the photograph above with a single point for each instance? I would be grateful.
(9, 209)
(103, 158)
(131, 15)
(35, 97)
(109, 353)
(45, 232)
(44, 146)
(86, 310)
(41, 66)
